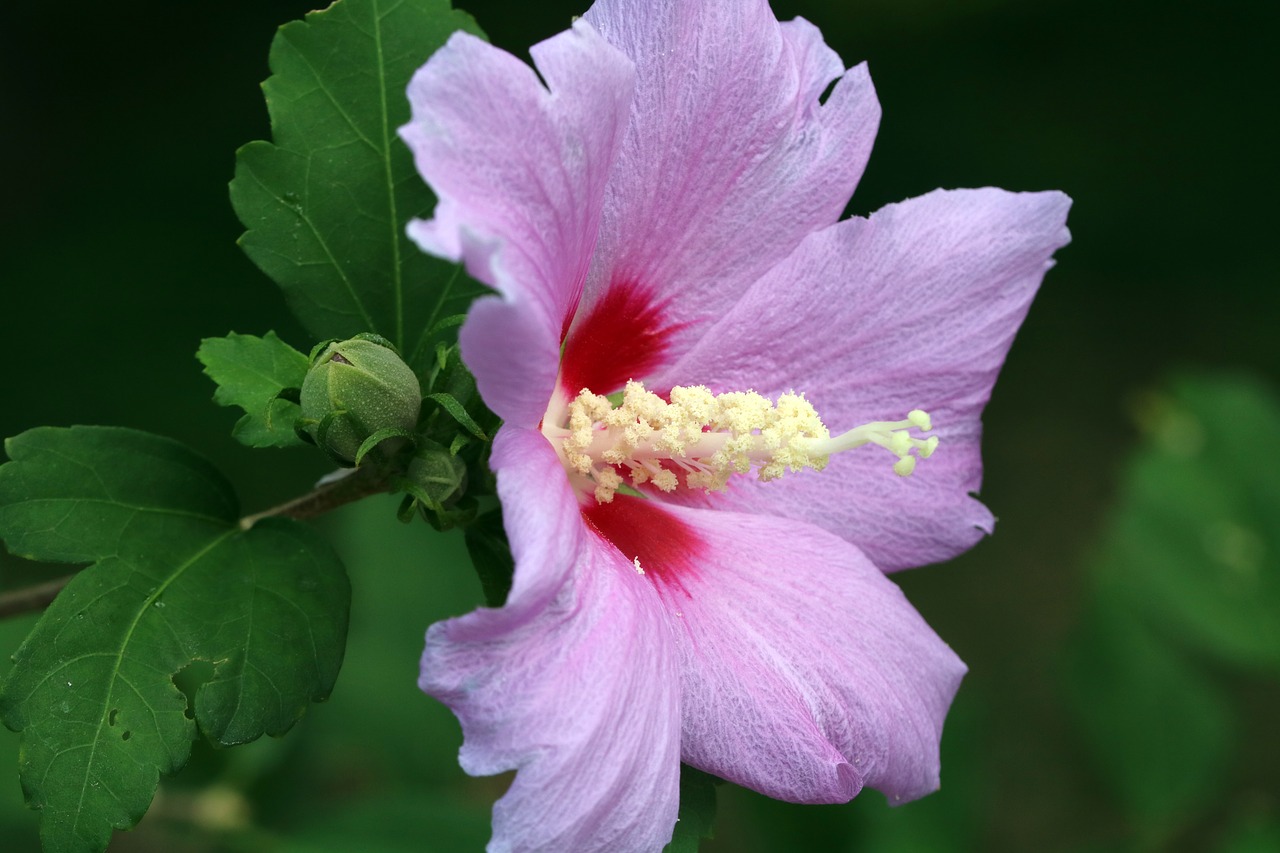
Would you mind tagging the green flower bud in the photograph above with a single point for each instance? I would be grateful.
(356, 389)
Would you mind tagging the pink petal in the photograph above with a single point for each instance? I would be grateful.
(806, 673)
(540, 513)
(912, 308)
(580, 695)
(520, 170)
(729, 159)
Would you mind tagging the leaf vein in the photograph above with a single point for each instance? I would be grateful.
(154, 510)
(85, 783)
(324, 245)
(397, 274)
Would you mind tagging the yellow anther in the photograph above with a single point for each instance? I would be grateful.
(607, 482)
(665, 480)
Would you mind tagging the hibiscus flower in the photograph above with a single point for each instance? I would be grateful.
(677, 304)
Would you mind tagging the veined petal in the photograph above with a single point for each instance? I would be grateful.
(806, 673)
(730, 160)
(520, 171)
(913, 308)
(581, 699)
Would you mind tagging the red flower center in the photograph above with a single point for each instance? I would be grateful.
(623, 336)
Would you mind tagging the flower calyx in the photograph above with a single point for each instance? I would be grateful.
(447, 480)
(435, 485)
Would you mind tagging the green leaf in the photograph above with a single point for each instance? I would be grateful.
(1195, 537)
(326, 204)
(71, 495)
(697, 810)
(251, 373)
(176, 581)
(491, 555)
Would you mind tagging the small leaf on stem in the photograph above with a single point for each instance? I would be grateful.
(261, 376)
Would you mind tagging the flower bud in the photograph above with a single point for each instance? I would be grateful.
(356, 389)
(436, 475)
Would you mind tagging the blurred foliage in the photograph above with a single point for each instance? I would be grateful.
(1187, 566)
(1159, 730)
(119, 256)
(1195, 541)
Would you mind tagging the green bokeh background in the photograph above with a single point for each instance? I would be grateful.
(118, 126)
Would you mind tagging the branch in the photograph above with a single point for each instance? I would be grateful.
(350, 485)
(329, 495)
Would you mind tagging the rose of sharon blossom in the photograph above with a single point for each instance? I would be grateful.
(657, 208)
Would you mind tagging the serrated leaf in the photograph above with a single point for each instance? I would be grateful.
(697, 811)
(326, 204)
(176, 581)
(250, 373)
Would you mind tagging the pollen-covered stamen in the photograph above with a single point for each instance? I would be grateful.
(708, 438)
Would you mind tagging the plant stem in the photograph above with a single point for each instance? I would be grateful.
(328, 496)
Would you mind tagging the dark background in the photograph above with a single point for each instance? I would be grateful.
(118, 127)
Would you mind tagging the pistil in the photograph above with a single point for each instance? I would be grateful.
(892, 436)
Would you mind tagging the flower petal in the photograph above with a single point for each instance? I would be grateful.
(912, 308)
(520, 171)
(580, 696)
(540, 514)
(806, 673)
(730, 159)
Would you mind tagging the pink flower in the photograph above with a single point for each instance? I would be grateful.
(662, 207)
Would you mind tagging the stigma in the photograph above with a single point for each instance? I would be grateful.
(705, 439)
